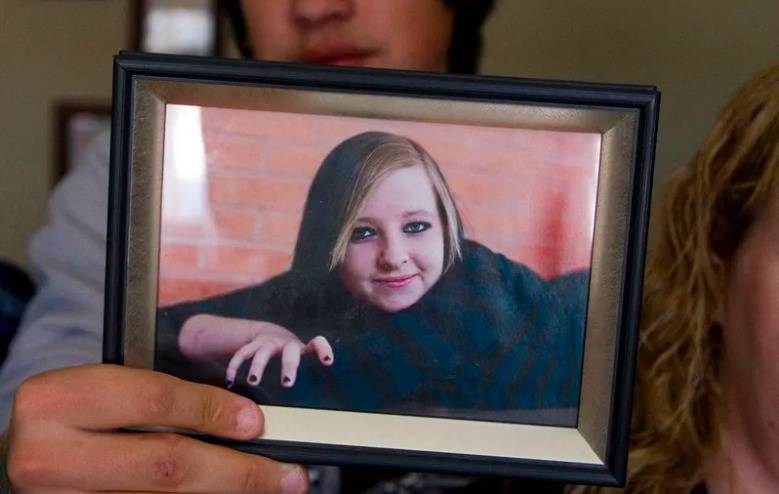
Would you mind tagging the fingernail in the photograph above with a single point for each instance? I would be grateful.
(248, 419)
(293, 482)
(253, 379)
(327, 358)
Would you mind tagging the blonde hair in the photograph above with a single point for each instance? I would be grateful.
(392, 153)
(709, 207)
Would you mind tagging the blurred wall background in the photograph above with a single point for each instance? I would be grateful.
(50, 50)
(696, 52)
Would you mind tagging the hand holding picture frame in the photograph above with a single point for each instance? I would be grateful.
(463, 254)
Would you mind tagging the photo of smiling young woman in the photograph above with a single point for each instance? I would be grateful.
(403, 312)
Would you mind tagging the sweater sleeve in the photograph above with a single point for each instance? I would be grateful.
(268, 301)
(63, 323)
(540, 368)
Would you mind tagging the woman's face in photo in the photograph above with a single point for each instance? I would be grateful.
(396, 250)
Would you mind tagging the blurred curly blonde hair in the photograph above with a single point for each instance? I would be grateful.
(710, 205)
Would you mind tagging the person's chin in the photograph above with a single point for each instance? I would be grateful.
(396, 304)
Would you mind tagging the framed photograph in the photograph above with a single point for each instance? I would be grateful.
(423, 271)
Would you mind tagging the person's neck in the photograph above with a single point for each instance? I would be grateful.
(741, 463)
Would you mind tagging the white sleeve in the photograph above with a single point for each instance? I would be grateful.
(63, 323)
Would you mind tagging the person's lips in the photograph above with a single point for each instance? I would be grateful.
(337, 54)
(395, 281)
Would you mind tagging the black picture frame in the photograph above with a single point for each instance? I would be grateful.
(625, 115)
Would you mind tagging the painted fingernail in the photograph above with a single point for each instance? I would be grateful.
(293, 482)
(286, 380)
(253, 379)
(248, 419)
(327, 358)
(229, 383)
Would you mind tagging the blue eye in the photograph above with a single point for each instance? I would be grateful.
(361, 233)
(416, 227)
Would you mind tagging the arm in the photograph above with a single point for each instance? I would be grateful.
(247, 324)
(205, 337)
(539, 364)
(62, 325)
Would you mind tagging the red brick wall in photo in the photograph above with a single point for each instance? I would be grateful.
(525, 193)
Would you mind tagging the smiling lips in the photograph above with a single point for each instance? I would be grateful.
(395, 281)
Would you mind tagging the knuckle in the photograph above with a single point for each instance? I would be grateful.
(26, 466)
(291, 338)
(212, 411)
(167, 466)
(259, 359)
(32, 398)
(255, 479)
(159, 400)
(321, 344)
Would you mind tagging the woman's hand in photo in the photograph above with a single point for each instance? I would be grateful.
(205, 337)
(273, 341)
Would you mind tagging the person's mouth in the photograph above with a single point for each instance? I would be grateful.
(395, 281)
(337, 54)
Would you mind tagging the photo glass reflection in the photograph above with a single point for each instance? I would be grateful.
(377, 265)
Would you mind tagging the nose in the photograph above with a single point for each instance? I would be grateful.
(394, 253)
(316, 12)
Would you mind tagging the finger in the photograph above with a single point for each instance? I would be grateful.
(127, 397)
(290, 360)
(323, 350)
(260, 361)
(164, 462)
(239, 357)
